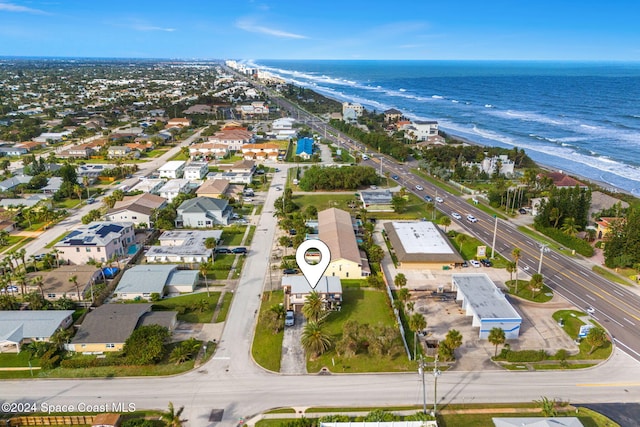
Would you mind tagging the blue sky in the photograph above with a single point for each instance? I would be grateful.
(322, 29)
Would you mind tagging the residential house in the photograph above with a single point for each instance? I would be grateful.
(214, 188)
(304, 148)
(296, 290)
(234, 139)
(106, 328)
(422, 130)
(137, 209)
(335, 228)
(283, 128)
(232, 177)
(377, 200)
(57, 283)
(92, 170)
(208, 150)
(604, 224)
(53, 185)
(173, 187)
(148, 185)
(241, 166)
(26, 202)
(140, 282)
(257, 108)
(100, 241)
(6, 220)
(31, 145)
(260, 151)
(489, 165)
(351, 111)
(178, 122)
(203, 212)
(392, 115)
(82, 151)
(183, 246)
(20, 327)
(196, 170)
(52, 136)
(562, 180)
(199, 109)
(12, 151)
(122, 152)
(173, 169)
(11, 183)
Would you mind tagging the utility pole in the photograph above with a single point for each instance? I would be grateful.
(436, 374)
(542, 249)
(421, 368)
(495, 231)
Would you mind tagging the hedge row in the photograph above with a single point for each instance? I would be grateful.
(581, 246)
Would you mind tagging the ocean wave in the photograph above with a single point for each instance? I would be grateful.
(437, 97)
(402, 89)
(488, 106)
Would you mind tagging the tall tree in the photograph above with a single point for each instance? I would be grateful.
(315, 339)
(516, 253)
(74, 279)
(204, 269)
(496, 337)
(596, 337)
(313, 307)
(172, 416)
(400, 280)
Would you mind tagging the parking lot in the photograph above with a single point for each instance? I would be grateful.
(443, 313)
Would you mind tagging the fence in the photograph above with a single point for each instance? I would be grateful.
(52, 420)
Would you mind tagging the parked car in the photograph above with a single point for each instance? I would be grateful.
(522, 211)
(419, 187)
(465, 264)
(91, 200)
(428, 198)
(365, 157)
(472, 218)
(590, 310)
(486, 262)
(293, 232)
(474, 263)
(223, 251)
(290, 271)
(456, 215)
(289, 319)
(239, 250)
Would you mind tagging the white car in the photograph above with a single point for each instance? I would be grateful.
(456, 215)
(474, 263)
(289, 319)
(472, 218)
(419, 187)
(590, 310)
(439, 199)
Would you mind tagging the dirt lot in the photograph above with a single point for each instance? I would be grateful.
(538, 329)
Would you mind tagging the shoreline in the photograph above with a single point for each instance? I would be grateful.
(603, 185)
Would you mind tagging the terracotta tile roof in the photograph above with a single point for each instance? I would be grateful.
(561, 180)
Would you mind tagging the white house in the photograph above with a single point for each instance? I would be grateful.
(173, 187)
(203, 212)
(172, 169)
(351, 111)
(137, 209)
(422, 130)
(183, 246)
(196, 170)
(20, 327)
(99, 240)
(141, 281)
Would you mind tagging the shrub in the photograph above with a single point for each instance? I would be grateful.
(581, 246)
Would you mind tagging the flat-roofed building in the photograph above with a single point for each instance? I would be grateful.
(377, 200)
(173, 187)
(487, 304)
(172, 169)
(149, 185)
(421, 244)
(183, 246)
(196, 170)
(296, 289)
(335, 228)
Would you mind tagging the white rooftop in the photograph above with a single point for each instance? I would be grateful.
(483, 295)
(419, 237)
(300, 285)
(172, 165)
(174, 185)
(147, 185)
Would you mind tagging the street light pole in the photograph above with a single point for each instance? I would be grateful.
(495, 231)
(421, 367)
(542, 248)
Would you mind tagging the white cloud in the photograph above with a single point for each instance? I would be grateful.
(252, 28)
(9, 7)
(152, 28)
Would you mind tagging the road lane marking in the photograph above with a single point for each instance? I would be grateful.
(608, 385)
(627, 320)
(618, 292)
(590, 297)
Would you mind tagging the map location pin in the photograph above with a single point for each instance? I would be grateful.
(313, 272)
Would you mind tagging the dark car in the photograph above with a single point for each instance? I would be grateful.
(522, 211)
(486, 262)
(428, 198)
(396, 177)
(293, 232)
(290, 271)
(239, 250)
(223, 251)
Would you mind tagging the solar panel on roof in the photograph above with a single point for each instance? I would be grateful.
(73, 234)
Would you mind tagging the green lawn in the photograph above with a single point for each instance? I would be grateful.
(252, 231)
(232, 236)
(11, 240)
(238, 270)
(68, 203)
(525, 292)
(180, 156)
(184, 306)
(56, 240)
(267, 346)
(364, 306)
(610, 275)
(20, 360)
(155, 153)
(224, 309)
(572, 322)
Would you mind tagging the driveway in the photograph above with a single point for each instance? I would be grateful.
(293, 360)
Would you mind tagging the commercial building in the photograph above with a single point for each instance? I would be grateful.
(99, 241)
(488, 306)
(421, 244)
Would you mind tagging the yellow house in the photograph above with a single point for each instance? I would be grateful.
(603, 225)
(108, 327)
(335, 228)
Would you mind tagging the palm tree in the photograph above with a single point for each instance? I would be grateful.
(403, 295)
(596, 338)
(313, 306)
(496, 337)
(61, 337)
(535, 284)
(511, 268)
(21, 279)
(37, 281)
(461, 239)
(172, 417)
(315, 340)
(570, 227)
(56, 253)
(78, 191)
(4, 238)
(417, 323)
(400, 280)
(516, 258)
(74, 279)
(22, 253)
(204, 269)
(445, 221)
(85, 182)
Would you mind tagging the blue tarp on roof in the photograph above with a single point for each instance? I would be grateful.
(304, 145)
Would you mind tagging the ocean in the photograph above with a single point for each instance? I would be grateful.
(579, 117)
